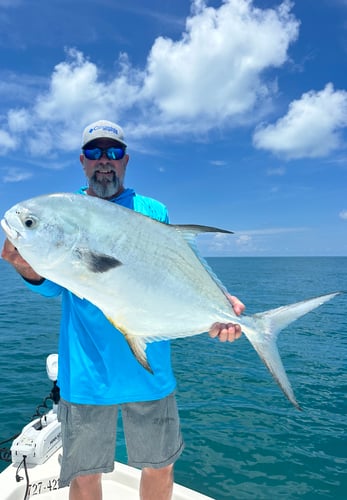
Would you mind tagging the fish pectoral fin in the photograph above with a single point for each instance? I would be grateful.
(138, 348)
(96, 262)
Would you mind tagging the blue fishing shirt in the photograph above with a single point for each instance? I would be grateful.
(96, 365)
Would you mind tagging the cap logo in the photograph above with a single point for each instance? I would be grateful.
(104, 127)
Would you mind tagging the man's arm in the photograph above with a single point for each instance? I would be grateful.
(224, 331)
(11, 255)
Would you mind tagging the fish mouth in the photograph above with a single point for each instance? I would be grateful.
(11, 233)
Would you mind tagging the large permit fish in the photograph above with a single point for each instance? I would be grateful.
(145, 276)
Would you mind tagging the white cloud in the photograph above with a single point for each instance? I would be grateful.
(218, 163)
(343, 214)
(41, 143)
(276, 171)
(210, 77)
(7, 142)
(24, 87)
(76, 88)
(16, 175)
(272, 231)
(245, 241)
(76, 96)
(10, 3)
(214, 71)
(310, 129)
(18, 120)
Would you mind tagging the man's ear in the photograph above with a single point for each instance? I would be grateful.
(125, 161)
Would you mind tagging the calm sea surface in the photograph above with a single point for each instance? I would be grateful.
(243, 438)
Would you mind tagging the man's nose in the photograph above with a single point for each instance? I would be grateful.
(103, 157)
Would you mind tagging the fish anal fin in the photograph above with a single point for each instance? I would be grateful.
(137, 346)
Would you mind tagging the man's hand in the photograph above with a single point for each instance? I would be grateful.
(11, 254)
(229, 331)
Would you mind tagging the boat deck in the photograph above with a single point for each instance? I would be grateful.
(122, 483)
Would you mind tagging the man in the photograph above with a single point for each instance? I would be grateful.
(97, 371)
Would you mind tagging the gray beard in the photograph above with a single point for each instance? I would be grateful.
(105, 189)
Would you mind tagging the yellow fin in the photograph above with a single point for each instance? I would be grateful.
(137, 346)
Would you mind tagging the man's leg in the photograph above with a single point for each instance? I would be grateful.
(86, 488)
(154, 443)
(89, 436)
(156, 483)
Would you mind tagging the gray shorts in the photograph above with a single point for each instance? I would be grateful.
(151, 428)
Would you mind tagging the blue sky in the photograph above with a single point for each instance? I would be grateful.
(235, 111)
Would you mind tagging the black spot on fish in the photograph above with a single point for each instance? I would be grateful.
(97, 262)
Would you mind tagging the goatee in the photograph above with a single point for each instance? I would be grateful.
(105, 188)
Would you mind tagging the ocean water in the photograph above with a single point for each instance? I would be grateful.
(244, 440)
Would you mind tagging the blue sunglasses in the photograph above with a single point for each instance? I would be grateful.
(111, 153)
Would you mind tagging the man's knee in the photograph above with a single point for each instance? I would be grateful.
(163, 472)
(156, 483)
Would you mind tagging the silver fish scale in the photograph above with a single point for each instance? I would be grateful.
(144, 275)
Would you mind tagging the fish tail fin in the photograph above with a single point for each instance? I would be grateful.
(265, 329)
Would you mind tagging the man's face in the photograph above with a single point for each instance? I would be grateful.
(105, 176)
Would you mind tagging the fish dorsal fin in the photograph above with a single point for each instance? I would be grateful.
(189, 233)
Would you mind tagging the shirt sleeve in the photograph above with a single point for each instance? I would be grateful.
(46, 288)
(152, 208)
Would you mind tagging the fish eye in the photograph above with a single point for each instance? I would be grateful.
(30, 222)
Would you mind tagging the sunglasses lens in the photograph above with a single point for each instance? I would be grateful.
(111, 153)
(115, 153)
(93, 154)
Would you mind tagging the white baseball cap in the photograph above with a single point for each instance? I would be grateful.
(103, 129)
